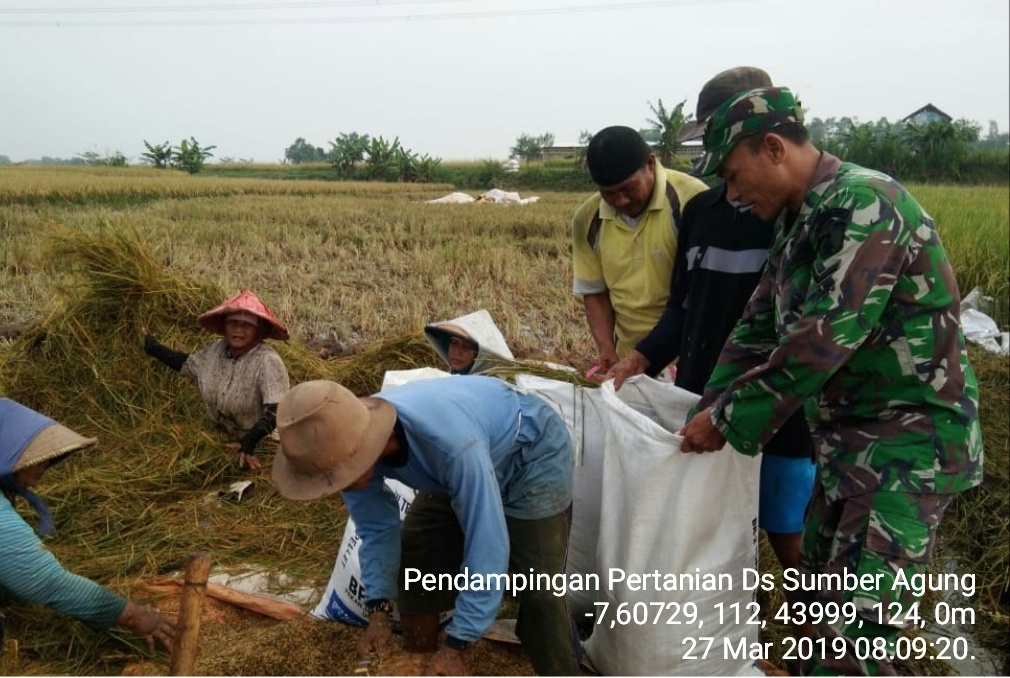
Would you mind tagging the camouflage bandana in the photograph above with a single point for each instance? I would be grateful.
(744, 115)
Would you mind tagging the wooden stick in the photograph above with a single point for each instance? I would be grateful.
(260, 604)
(190, 610)
(9, 658)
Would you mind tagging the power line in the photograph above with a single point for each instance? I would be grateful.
(489, 14)
(204, 7)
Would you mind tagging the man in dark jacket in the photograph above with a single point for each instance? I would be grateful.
(718, 265)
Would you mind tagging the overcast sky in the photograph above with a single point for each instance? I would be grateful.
(461, 79)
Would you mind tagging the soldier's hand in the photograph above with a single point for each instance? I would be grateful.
(701, 435)
(377, 636)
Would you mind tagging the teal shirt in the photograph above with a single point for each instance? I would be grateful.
(29, 572)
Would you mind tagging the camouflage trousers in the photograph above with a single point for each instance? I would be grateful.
(876, 534)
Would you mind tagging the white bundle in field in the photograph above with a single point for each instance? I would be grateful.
(497, 195)
(454, 198)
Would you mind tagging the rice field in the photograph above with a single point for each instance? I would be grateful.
(357, 262)
(353, 262)
(88, 256)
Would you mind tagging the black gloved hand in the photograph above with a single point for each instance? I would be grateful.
(155, 349)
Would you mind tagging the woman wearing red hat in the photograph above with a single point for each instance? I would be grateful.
(241, 378)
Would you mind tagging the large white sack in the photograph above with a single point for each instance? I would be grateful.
(978, 327)
(674, 513)
(394, 378)
(455, 197)
(581, 409)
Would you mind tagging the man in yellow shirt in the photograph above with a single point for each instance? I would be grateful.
(624, 240)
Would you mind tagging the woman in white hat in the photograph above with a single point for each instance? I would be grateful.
(469, 344)
(29, 444)
(241, 378)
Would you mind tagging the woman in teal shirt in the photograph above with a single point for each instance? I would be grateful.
(29, 444)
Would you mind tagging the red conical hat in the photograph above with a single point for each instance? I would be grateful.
(244, 302)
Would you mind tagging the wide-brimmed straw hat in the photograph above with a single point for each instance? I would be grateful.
(52, 442)
(329, 438)
(46, 439)
(244, 302)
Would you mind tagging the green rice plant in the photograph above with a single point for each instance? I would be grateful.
(974, 224)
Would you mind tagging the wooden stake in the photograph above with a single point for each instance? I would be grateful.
(9, 658)
(190, 611)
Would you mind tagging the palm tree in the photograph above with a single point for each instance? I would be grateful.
(159, 155)
(190, 156)
(381, 156)
(347, 151)
(669, 123)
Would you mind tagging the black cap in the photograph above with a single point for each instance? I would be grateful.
(615, 153)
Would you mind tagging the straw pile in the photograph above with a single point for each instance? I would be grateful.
(135, 505)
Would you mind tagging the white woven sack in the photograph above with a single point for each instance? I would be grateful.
(674, 513)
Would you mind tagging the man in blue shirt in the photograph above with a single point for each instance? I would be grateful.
(493, 468)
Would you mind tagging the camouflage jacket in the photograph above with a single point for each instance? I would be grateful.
(857, 307)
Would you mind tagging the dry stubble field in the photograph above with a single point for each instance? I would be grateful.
(351, 262)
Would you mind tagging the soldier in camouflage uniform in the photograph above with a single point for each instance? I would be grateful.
(857, 307)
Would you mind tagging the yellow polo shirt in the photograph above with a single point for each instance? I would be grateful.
(633, 264)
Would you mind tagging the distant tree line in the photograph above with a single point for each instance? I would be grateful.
(360, 156)
(661, 133)
(529, 147)
(45, 160)
(953, 152)
(936, 152)
(188, 155)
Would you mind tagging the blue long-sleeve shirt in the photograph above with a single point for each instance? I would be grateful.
(495, 451)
